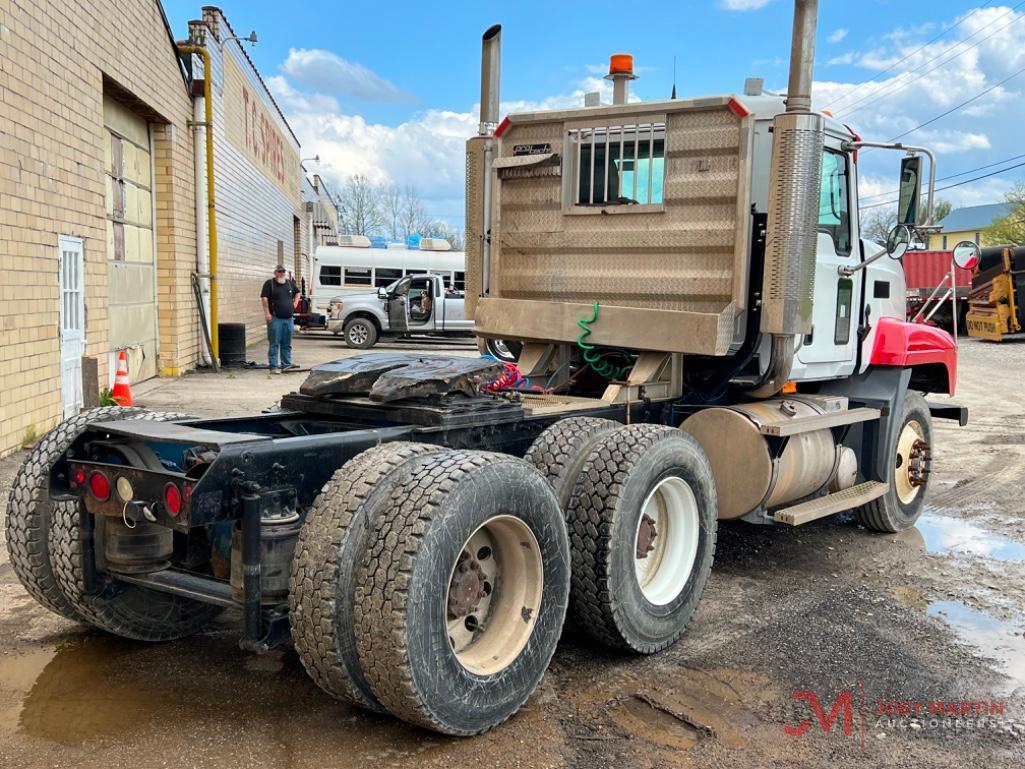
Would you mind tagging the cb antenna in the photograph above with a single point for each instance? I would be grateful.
(674, 79)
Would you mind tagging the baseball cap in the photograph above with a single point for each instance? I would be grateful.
(280, 268)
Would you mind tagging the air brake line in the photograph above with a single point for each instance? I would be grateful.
(594, 359)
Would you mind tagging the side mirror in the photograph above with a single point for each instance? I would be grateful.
(967, 254)
(898, 240)
(382, 293)
(910, 190)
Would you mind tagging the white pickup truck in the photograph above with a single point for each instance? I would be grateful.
(415, 304)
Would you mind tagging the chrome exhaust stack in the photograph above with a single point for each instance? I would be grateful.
(788, 286)
(480, 151)
(490, 76)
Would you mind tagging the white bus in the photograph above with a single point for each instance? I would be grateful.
(354, 267)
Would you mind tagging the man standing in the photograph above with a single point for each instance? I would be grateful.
(277, 296)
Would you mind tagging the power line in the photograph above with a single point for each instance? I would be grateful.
(959, 106)
(949, 186)
(861, 104)
(918, 50)
(950, 176)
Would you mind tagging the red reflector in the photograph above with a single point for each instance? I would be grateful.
(78, 476)
(737, 108)
(172, 499)
(99, 486)
(502, 127)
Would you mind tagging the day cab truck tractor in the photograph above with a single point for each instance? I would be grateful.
(706, 337)
(413, 305)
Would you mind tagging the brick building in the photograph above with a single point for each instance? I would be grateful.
(102, 198)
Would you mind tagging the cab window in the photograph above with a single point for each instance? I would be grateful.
(834, 203)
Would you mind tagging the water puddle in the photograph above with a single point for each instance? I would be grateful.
(943, 534)
(991, 637)
(72, 693)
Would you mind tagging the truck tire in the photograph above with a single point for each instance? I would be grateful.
(360, 333)
(640, 484)
(462, 594)
(561, 450)
(900, 506)
(331, 545)
(29, 508)
(123, 609)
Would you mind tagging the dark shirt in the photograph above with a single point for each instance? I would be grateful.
(279, 296)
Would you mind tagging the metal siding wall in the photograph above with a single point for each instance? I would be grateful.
(253, 213)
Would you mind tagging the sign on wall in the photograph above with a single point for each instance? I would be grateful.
(253, 128)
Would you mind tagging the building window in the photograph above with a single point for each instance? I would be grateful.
(386, 275)
(834, 202)
(944, 242)
(618, 165)
(978, 240)
(459, 284)
(358, 276)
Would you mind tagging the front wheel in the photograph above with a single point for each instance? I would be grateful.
(900, 506)
(360, 333)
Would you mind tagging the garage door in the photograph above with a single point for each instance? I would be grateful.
(130, 244)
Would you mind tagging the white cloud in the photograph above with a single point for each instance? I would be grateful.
(426, 151)
(845, 58)
(932, 79)
(327, 73)
(743, 5)
(836, 35)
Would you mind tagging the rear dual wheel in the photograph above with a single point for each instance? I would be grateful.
(432, 584)
(641, 513)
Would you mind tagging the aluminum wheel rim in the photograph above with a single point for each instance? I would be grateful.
(490, 636)
(500, 349)
(904, 467)
(664, 568)
(358, 333)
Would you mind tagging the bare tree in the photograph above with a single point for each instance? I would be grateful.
(876, 223)
(440, 229)
(414, 217)
(391, 209)
(359, 207)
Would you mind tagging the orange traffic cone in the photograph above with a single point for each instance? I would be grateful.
(122, 391)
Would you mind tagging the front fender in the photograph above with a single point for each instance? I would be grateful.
(924, 349)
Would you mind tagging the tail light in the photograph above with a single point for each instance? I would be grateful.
(99, 486)
(78, 477)
(172, 499)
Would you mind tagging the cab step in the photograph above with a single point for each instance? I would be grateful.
(807, 424)
(820, 507)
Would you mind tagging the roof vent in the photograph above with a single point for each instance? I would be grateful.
(435, 244)
(354, 241)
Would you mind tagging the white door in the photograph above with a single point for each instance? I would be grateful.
(71, 268)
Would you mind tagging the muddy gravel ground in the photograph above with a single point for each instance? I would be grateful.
(932, 617)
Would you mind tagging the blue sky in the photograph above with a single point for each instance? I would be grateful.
(392, 94)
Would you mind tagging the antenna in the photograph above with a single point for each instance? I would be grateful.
(674, 79)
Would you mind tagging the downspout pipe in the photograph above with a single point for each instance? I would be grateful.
(211, 214)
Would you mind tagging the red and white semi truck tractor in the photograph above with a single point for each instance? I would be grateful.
(705, 336)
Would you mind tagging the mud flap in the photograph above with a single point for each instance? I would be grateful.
(953, 411)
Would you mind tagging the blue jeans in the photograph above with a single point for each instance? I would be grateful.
(279, 336)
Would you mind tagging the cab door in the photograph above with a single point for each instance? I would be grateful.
(397, 306)
(830, 349)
